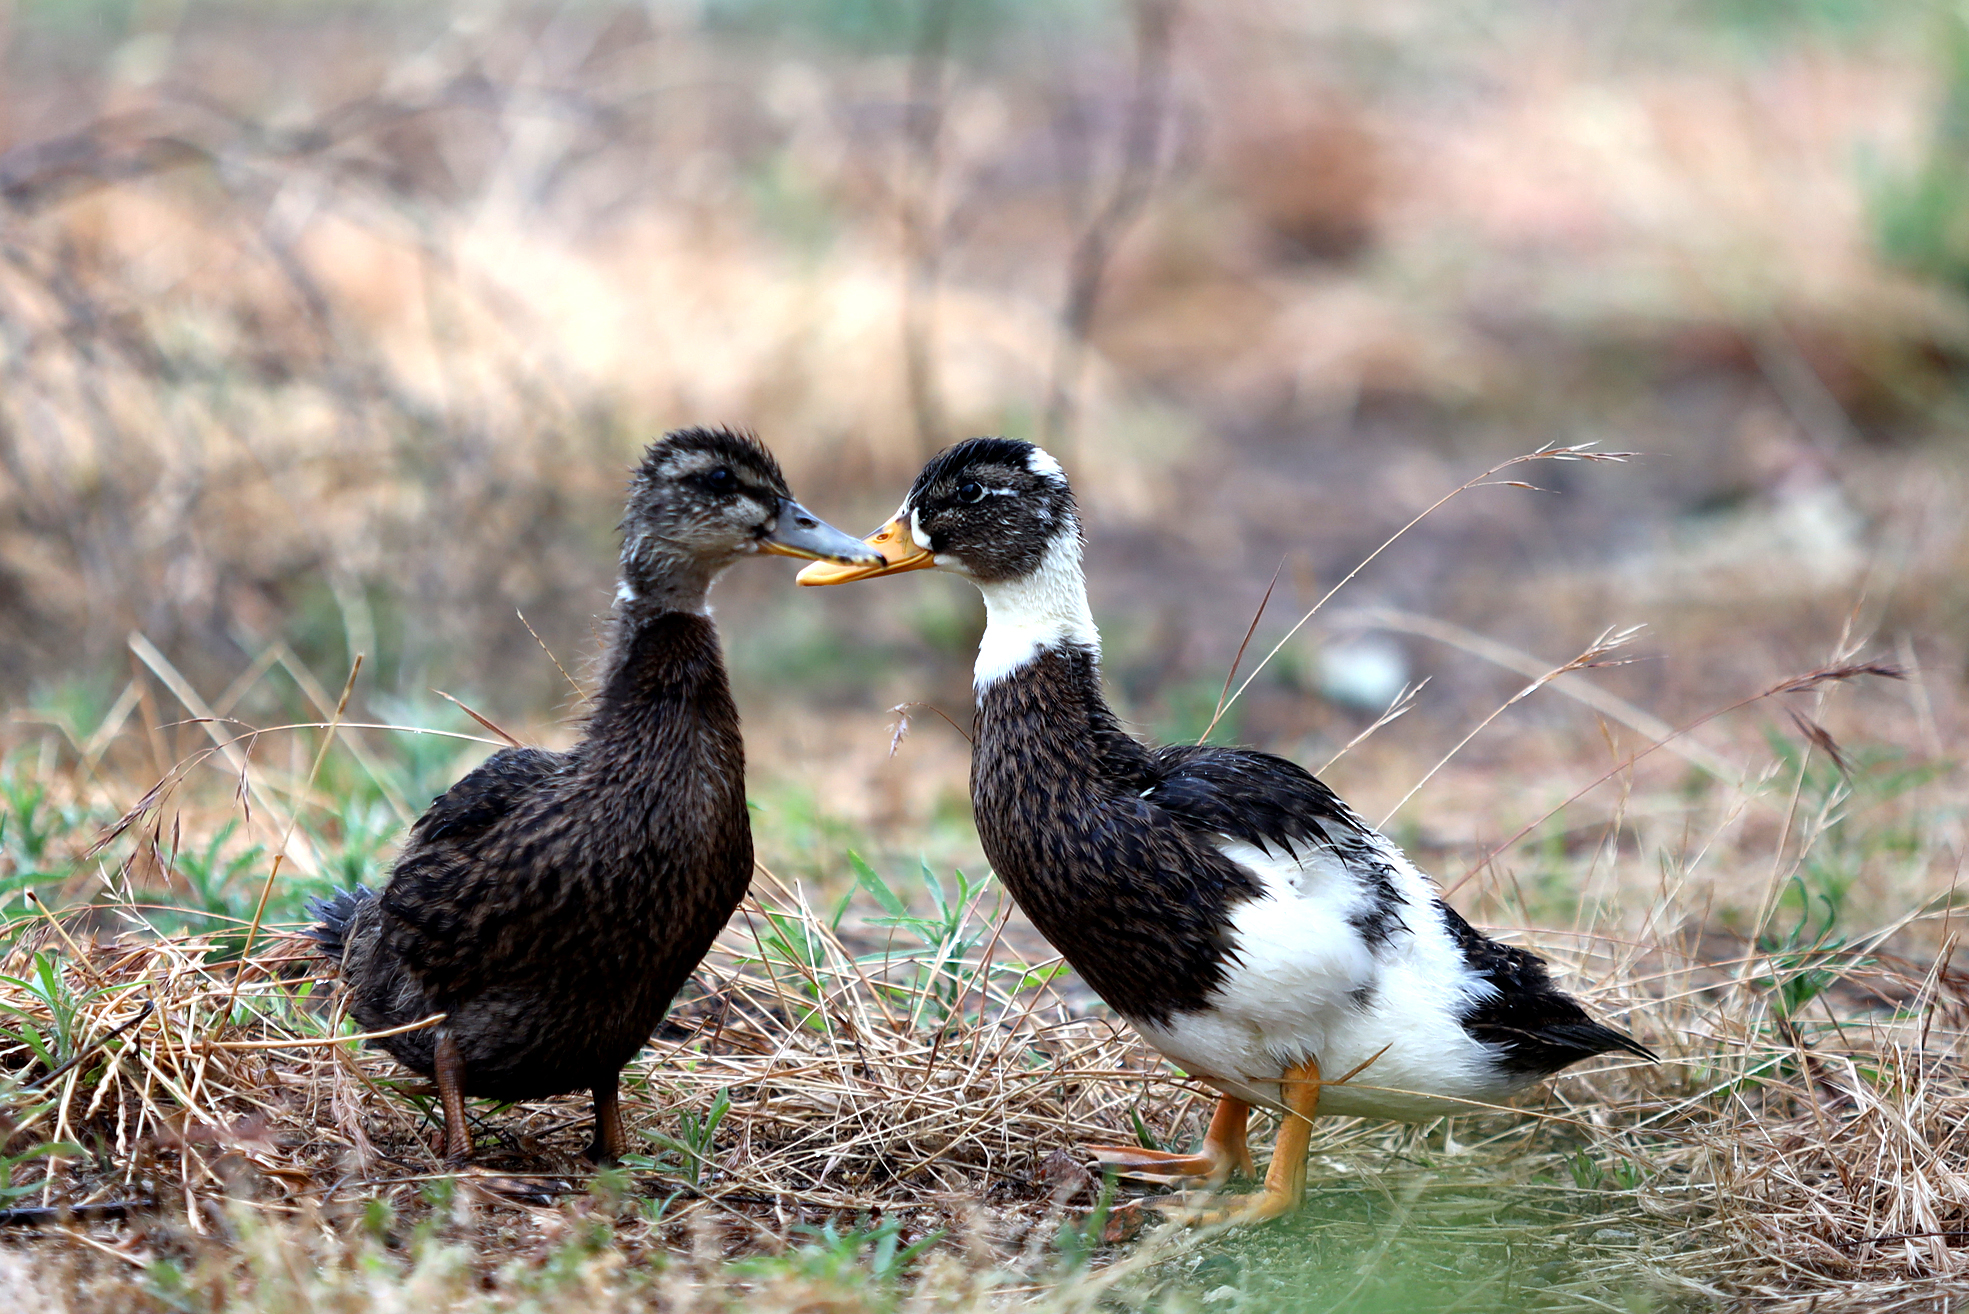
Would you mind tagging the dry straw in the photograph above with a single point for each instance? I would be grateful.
(1796, 1139)
(179, 1094)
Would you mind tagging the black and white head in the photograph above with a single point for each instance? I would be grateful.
(998, 512)
(700, 500)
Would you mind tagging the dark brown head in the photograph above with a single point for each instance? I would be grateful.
(998, 512)
(700, 500)
(994, 510)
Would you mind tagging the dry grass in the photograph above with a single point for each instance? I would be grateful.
(281, 332)
(893, 1060)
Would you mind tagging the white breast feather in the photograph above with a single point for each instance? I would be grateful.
(1293, 989)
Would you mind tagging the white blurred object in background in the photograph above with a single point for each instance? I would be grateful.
(1364, 672)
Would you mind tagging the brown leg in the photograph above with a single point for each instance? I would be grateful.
(449, 1070)
(610, 1141)
(1224, 1150)
(1285, 1180)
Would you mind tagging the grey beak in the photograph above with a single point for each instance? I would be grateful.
(798, 532)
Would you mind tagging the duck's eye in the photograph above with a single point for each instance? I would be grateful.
(971, 493)
(721, 480)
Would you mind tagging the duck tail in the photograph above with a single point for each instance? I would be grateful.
(1589, 1038)
(1621, 1040)
(331, 933)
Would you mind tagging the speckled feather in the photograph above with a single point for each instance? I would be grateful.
(553, 903)
(1137, 904)
(556, 903)
(1115, 849)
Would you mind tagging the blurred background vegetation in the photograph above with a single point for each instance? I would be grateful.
(333, 327)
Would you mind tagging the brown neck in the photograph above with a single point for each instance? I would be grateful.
(1051, 714)
(1136, 904)
(664, 714)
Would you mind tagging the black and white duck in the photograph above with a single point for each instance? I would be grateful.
(551, 904)
(1247, 922)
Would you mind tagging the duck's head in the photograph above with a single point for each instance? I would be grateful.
(703, 498)
(995, 510)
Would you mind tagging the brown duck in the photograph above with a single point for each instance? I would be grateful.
(1241, 916)
(551, 904)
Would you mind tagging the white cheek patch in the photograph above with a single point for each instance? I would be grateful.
(916, 533)
(1041, 462)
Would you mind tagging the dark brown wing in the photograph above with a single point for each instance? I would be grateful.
(457, 886)
(483, 795)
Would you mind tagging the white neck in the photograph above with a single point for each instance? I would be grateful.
(1045, 609)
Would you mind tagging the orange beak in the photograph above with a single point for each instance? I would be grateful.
(899, 553)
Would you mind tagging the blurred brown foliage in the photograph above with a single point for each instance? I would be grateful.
(340, 324)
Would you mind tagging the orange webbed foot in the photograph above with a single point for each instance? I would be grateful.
(1224, 1152)
(1285, 1181)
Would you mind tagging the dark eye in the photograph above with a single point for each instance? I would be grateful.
(971, 493)
(721, 480)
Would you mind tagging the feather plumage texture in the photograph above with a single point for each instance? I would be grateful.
(1224, 900)
(551, 904)
(554, 903)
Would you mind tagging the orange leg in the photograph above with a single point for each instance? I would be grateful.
(610, 1140)
(448, 1067)
(1224, 1150)
(1285, 1181)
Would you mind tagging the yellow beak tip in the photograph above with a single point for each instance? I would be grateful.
(899, 553)
(828, 572)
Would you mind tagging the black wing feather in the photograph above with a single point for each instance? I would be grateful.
(1539, 1027)
(1278, 806)
(1256, 797)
